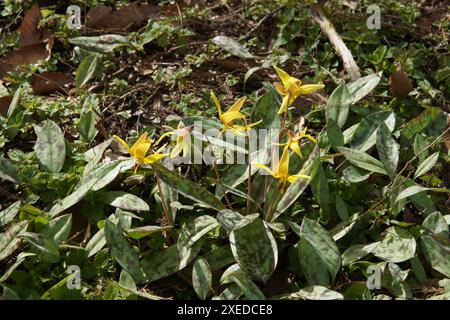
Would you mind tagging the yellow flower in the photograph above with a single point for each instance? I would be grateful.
(140, 149)
(234, 113)
(183, 143)
(292, 88)
(281, 170)
(293, 141)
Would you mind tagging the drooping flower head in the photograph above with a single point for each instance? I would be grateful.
(291, 88)
(183, 143)
(140, 149)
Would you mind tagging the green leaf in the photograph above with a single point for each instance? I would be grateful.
(314, 293)
(94, 180)
(232, 46)
(437, 252)
(96, 243)
(420, 144)
(86, 70)
(45, 248)
(163, 263)
(141, 232)
(8, 214)
(319, 186)
(365, 135)
(124, 201)
(436, 224)
(363, 86)
(398, 245)
(410, 191)
(313, 266)
(338, 106)
(201, 277)
(355, 175)
(426, 165)
(419, 270)
(255, 250)
(194, 231)
(189, 189)
(266, 109)
(248, 287)
(388, 149)
(50, 147)
(334, 134)
(323, 244)
(231, 220)
(59, 228)
(9, 240)
(356, 252)
(14, 105)
(126, 281)
(122, 251)
(341, 208)
(103, 43)
(8, 171)
(363, 160)
(87, 127)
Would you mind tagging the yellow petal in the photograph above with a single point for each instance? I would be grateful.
(140, 150)
(177, 150)
(265, 168)
(284, 105)
(216, 102)
(309, 88)
(249, 126)
(237, 105)
(283, 75)
(164, 135)
(122, 142)
(229, 116)
(139, 141)
(295, 177)
(296, 148)
(154, 157)
(283, 166)
(281, 90)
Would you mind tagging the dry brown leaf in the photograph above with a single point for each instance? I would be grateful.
(25, 55)
(5, 101)
(400, 83)
(28, 32)
(132, 16)
(49, 82)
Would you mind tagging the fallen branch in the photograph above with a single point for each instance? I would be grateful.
(350, 65)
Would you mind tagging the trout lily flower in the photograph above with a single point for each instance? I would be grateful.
(291, 88)
(281, 170)
(234, 113)
(140, 149)
(293, 141)
(183, 143)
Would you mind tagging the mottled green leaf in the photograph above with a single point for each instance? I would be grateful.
(356, 252)
(8, 171)
(50, 147)
(314, 293)
(46, 248)
(194, 231)
(338, 107)
(103, 43)
(201, 277)
(189, 189)
(8, 214)
(388, 149)
(58, 228)
(363, 86)
(123, 251)
(86, 70)
(125, 201)
(437, 252)
(232, 220)
(398, 245)
(255, 249)
(363, 160)
(355, 175)
(9, 240)
(426, 165)
(232, 46)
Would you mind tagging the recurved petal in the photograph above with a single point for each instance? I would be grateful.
(281, 89)
(284, 105)
(309, 88)
(142, 139)
(154, 157)
(283, 75)
(295, 177)
(237, 105)
(216, 102)
(164, 135)
(283, 166)
(140, 150)
(122, 142)
(265, 168)
(229, 116)
(296, 148)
